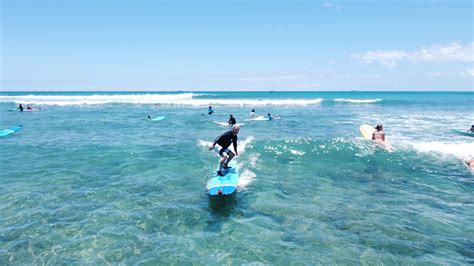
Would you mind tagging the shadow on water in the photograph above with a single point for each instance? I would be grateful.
(222, 206)
(221, 209)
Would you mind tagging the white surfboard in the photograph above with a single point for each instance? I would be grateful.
(262, 118)
(225, 124)
(366, 131)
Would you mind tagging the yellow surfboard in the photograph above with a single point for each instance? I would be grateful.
(366, 131)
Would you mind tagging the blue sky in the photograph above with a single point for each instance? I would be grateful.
(236, 45)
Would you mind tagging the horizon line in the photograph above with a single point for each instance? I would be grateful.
(269, 91)
(274, 91)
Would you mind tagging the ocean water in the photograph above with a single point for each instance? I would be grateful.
(89, 180)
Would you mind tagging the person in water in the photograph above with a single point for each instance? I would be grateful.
(224, 140)
(210, 111)
(378, 134)
(149, 118)
(28, 107)
(20, 107)
(231, 120)
(252, 114)
(269, 116)
(469, 163)
(471, 129)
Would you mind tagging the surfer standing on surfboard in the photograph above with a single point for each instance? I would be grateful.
(231, 120)
(224, 140)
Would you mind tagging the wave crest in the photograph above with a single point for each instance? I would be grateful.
(460, 150)
(171, 99)
(343, 100)
(63, 100)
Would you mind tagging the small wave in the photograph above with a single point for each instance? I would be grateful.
(171, 99)
(63, 100)
(460, 150)
(357, 100)
(245, 102)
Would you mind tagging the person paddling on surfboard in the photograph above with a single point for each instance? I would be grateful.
(378, 134)
(210, 111)
(231, 120)
(224, 140)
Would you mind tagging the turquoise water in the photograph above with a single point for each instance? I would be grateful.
(90, 180)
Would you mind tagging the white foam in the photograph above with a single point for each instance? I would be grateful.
(246, 178)
(97, 99)
(171, 99)
(297, 152)
(253, 159)
(460, 150)
(357, 100)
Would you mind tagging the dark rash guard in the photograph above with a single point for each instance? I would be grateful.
(226, 139)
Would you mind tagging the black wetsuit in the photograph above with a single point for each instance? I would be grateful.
(232, 121)
(20, 108)
(225, 140)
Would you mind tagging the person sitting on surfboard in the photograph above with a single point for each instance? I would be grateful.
(20, 107)
(210, 111)
(252, 114)
(378, 135)
(269, 116)
(231, 120)
(224, 140)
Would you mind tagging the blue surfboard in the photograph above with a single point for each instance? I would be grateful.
(464, 133)
(9, 131)
(158, 118)
(224, 185)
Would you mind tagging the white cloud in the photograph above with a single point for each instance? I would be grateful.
(470, 72)
(453, 52)
(332, 5)
(467, 72)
